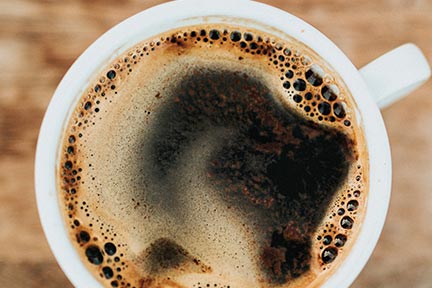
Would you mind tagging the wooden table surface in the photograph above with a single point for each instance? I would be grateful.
(40, 39)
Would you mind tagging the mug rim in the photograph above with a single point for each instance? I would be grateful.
(146, 24)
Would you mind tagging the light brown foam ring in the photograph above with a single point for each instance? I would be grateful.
(307, 85)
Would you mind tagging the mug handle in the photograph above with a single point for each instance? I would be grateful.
(396, 73)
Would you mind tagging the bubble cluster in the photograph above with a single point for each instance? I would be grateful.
(307, 84)
(206, 285)
(336, 235)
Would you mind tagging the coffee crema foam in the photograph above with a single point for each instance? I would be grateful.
(214, 156)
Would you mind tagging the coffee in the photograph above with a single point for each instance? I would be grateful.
(214, 156)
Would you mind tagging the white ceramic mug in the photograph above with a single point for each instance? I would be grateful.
(376, 85)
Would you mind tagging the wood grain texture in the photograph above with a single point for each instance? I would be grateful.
(40, 39)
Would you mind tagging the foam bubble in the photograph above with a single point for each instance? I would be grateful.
(314, 75)
(94, 255)
(347, 222)
(324, 108)
(329, 254)
(327, 240)
(111, 74)
(300, 85)
(340, 240)
(339, 110)
(107, 272)
(110, 248)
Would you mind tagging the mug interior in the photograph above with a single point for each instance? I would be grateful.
(152, 22)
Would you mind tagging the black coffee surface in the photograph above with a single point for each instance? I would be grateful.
(273, 163)
(214, 156)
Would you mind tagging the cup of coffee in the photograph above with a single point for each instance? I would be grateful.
(229, 145)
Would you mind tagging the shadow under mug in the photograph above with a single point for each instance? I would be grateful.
(376, 85)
